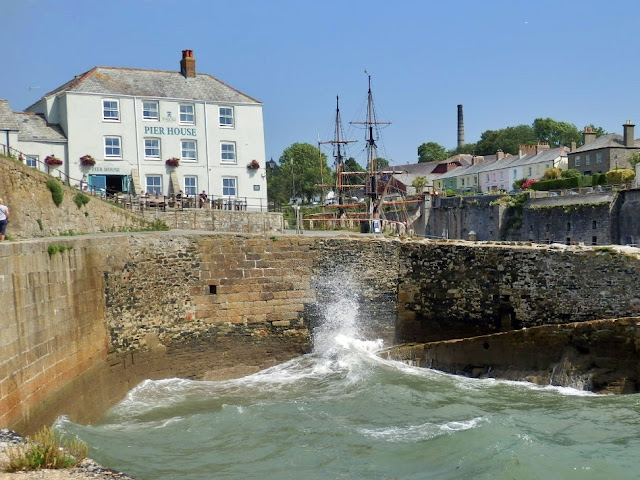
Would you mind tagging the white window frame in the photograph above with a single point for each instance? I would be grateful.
(113, 156)
(226, 117)
(147, 148)
(226, 152)
(598, 158)
(31, 161)
(148, 114)
(153, 188)
(587, 160)
(225, 188)
(107, 112)
(183, 151)
(576, 161)
(187, 118)
(191, 189)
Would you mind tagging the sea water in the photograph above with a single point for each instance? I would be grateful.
(344, 412)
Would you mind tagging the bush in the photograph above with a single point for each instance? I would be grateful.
(621, 175)
(571, 173)
(559, 184)
(56, 191)
(80, 199)
(552, 173)
(43, 450)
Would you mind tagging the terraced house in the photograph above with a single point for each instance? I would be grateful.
(149, 131)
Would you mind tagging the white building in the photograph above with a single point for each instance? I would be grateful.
(131, 121)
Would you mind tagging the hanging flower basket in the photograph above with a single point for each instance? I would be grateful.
(52, 161)
(173, 162)
(253, 165)
(87, 161)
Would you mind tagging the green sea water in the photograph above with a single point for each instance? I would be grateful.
(343, 412)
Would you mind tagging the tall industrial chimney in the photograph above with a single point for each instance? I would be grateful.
(460, 127)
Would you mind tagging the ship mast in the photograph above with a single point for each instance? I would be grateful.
(371, 123)
(337, 142)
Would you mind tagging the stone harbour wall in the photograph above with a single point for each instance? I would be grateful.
(88, 317)
(598, 355)
(461, 289)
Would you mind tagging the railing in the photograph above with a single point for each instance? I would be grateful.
(52, 171)
(220, 202)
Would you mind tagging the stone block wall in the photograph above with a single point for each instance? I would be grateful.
(455, 217)
(52, 326)
(83, 325)
(213, 220)
(584, 219)
(598, 355)
(461, 289)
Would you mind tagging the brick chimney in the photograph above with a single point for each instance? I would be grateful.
(526, 150)
(588, 135)
(629, 141)
(188, 64)
(542, 146)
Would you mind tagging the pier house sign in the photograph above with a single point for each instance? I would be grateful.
(182, 131)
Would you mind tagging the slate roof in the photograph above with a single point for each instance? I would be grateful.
(153, 83)
(7, 118)
(611, 140)
(35, 127)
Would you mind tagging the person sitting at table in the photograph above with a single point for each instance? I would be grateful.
(203, 199)
(180, 195)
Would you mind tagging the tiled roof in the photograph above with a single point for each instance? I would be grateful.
(606, 141)
(35, 127)
(7, 118)
(153, 83)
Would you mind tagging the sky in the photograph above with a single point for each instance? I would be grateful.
(506, 61)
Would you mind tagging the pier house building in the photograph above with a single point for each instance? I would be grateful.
(132, 121)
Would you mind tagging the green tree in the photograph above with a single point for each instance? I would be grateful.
(555, 133)
(466, 149)
(419, 183)
(302, 168)
(431, 152)
(350, 165)
(507, 139)
(381, 163)
(634, 160)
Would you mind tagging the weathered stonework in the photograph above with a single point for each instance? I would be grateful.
(33, 213)
(213, 220)
(111, 310)
(457, 290)
(599, 355)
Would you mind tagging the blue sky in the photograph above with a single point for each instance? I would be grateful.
(508, 62)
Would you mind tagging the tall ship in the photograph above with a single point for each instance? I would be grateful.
(370, 195)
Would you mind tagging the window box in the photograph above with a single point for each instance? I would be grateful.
(52, 161)
(87, 161)
(173, 162)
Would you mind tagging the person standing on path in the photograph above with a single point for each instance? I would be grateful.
(4, 219)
